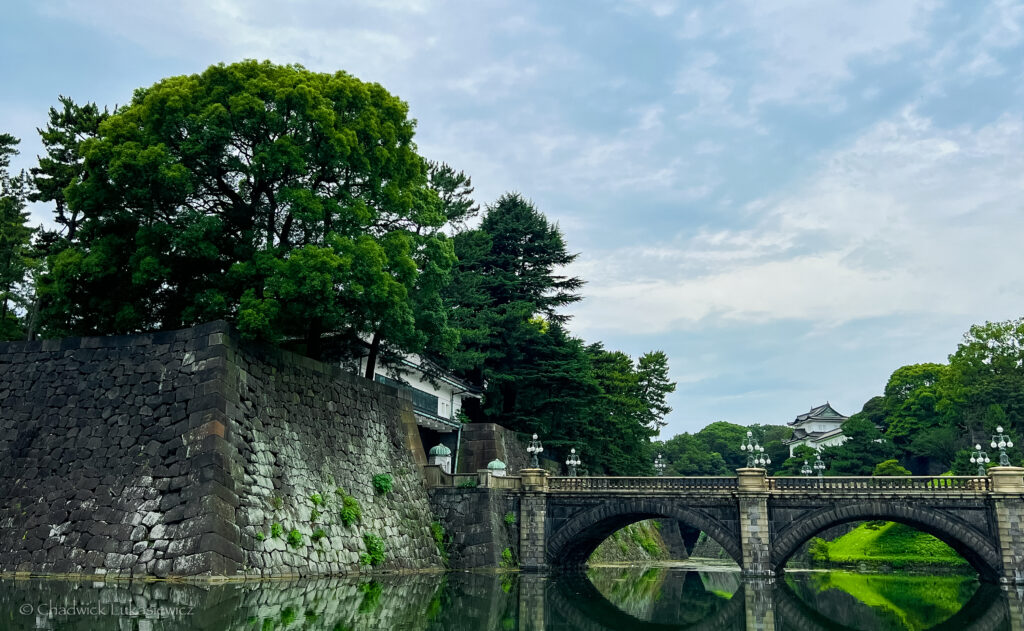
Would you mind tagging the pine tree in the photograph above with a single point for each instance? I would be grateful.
(15, 243)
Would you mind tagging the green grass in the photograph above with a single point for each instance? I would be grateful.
(892, 543)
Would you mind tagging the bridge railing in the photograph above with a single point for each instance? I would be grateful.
(564, 483)
(886, 483)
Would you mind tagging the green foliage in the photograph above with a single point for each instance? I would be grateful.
(276, 502)
(374, 554)
(351, 511)
(437, 530)
(469, 483)
(317, 535)
(294, 538)
(510, 518)
(508, 559)
(317, 499)
(276, 530)
(793, 466)
(864, 448)
(16, 256)
(314, 515)
(290, 202)
(818, 549)
(382, 483)
(260, 536)
(890, 468)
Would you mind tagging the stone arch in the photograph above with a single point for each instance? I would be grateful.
(572, 544)
(975, 547)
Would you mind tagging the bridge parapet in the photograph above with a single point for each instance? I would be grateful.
(926, 484)
(604, 484)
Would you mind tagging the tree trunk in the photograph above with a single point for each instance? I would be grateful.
(371, 358)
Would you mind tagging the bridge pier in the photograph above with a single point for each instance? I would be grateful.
(1008, 501)
(533, 520)
(755, 534)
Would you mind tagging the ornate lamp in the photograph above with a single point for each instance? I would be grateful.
(659, 466)
(819, 465)
(755, 452)
(1002, 442)
(534, 449)
(572, 462)
(979, 457)
(806, 469)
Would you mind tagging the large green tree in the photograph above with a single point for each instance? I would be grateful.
(289, 201)
(15, 244)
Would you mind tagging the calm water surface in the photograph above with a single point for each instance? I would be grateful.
(605, 598)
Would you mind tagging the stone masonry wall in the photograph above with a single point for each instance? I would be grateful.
(483, 442)
(172, 453)
(475, 520)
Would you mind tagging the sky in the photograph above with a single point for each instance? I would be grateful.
(790, 198)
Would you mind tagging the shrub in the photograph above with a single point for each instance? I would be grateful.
(510, 518)
(374, 554)
(468, 484)
(818, 549)
(382, 483)
(351, 512)
(314, 515)
(438, 531)
(276, 502)
(276, 530)
(295, 538)
(507, 560)
(260, 536)
(317, 535)
(317, 499)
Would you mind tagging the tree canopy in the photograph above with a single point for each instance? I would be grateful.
(290, 202)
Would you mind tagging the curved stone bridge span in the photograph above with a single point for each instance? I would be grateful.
(761, 521)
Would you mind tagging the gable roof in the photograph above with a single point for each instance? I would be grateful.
(821, 413)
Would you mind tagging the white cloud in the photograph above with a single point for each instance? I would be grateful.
(907, 219)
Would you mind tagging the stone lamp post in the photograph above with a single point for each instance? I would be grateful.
(659, 466)
(806, 469)
(534, 449)
(1002, 442)
(572, 462)
(980, 458)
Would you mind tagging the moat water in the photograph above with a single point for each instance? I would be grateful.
(616, 598)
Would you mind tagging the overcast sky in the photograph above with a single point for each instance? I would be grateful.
(791, 198)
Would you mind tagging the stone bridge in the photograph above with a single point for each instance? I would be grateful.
(761, 521)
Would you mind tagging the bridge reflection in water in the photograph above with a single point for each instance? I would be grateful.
(693, 601)
(604, 599)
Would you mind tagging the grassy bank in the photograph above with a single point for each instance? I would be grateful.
(636, 542)
(876, 544)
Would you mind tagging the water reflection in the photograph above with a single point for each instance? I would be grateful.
(603, 599)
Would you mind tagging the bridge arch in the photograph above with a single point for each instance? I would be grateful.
(968, 541)
(572, 544)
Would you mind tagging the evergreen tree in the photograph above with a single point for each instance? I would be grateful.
(15, 244)
(63, 165)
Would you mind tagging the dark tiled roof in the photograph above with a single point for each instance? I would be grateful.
(820, 413)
